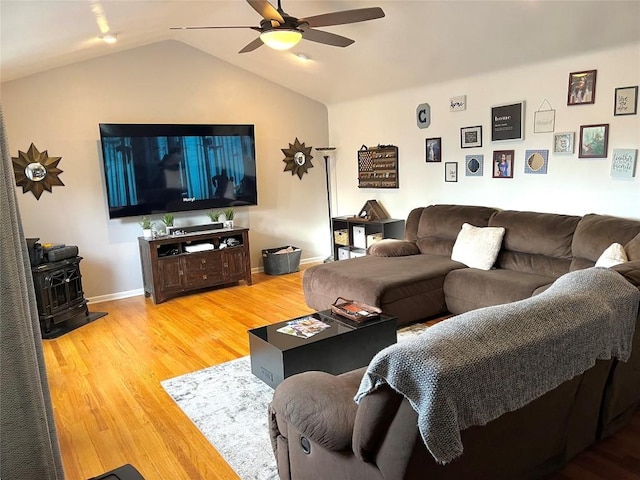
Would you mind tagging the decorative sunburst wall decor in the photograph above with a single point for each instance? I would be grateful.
(36, 171)
(298, 158)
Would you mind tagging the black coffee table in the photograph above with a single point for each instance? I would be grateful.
(344, 345)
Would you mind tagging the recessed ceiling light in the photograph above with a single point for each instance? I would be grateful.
(109, 38)
(303, 56)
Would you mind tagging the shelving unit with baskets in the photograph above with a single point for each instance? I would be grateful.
(352, 235)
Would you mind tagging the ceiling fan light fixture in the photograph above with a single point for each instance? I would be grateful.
(109, 38)
(281, 39)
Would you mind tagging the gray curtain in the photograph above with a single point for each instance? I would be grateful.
(29, 444)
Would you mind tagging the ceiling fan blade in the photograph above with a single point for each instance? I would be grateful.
(325, 37)
(257, 29)
(250, 47)
(268, 11)
(346, 16)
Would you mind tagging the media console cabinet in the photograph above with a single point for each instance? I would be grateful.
(169, 269)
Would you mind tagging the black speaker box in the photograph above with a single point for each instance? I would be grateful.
(201, 228)
(57, 254)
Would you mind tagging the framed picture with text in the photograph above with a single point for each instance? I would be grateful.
(507, 122)
(626, 101)
(471, 137)
(451, 171)
(563, 143)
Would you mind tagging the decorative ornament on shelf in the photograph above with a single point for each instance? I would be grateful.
(298, 158)
(36, 172)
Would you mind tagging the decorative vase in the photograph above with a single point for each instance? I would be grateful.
(228, 224)
(147, 233)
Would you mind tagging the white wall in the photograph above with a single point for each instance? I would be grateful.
(167, 82)
(572, 186)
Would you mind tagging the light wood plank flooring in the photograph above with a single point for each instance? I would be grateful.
(110, 408)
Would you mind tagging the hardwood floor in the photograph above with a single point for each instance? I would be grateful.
(110, 408)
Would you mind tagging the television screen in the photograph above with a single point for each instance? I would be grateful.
(154, 169)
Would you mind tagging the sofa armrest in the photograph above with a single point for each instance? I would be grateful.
(391, 247)
(320, 406)
(630, 271)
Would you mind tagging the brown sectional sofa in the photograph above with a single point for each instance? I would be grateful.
(317, 429)
(415, 279)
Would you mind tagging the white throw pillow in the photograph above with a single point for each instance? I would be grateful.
(477, 247)
(613, 255)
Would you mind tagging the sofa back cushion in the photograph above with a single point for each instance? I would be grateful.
(595, 233)
(534, 242)
(438, 226)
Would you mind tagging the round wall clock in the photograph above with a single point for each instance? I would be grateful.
(298, 159)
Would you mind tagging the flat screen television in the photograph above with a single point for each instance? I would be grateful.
(161, 168)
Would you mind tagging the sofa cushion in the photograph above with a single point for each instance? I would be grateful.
(439, 226)
(595, 233)
(538, 243)
(470, 288)
(408, 287)
(613, 255)
(477, 247)
(633, 248)
(391, 247)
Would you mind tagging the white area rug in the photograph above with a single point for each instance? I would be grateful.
(229, 406)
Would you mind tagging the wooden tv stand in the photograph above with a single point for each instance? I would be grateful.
(169, 270)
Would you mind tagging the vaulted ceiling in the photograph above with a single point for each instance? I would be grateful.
(416, 43)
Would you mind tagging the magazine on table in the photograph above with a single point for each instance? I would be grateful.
(304, 327)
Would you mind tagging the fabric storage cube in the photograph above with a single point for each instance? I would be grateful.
(373, 238)
(341, 237)
(358, 253)
(278, 261)
(343, 253)
(359, 237)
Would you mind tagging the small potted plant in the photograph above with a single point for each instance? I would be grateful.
(228, 216)
(214, 215)
(167, 219)
(147, 226)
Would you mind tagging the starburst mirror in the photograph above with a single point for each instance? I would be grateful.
(298, 158)
(36, 171)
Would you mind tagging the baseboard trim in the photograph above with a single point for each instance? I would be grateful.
(140, 291)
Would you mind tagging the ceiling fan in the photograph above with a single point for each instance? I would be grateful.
(281, 31)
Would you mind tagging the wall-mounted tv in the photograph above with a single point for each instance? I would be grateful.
(161, 168)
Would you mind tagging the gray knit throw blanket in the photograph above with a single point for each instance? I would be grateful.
(470, 369)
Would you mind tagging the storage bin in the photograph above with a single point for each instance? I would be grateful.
(341, 237)
(281, 263)
(373, 238)
(359, 237)
(343, 253)
(358, 253)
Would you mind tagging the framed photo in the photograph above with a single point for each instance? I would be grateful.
(626, 101)
(582, 87)
(623, 163)
(451, 171)
(471, 137)
(434, 149)
(593, 141)
(474, 165)
(503, 163)
(536, 161)
(507, 122)
(563, 143)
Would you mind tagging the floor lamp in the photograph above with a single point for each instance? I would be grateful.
(326, 153)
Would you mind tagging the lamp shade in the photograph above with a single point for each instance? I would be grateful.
(281, 39)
